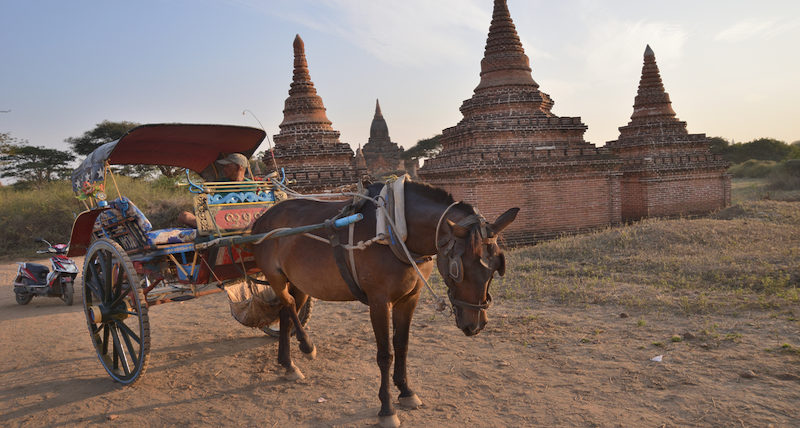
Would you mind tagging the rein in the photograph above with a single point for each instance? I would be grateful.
(456, 265)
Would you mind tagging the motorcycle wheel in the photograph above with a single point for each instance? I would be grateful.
(67, 293)
(23, 298)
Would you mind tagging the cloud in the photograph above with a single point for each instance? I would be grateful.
(747, 30)
(400, 33)
(609, 46)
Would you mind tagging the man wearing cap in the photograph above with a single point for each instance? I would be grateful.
(229, 168)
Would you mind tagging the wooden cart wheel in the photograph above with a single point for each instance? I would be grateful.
(116, 311)
(304, 314)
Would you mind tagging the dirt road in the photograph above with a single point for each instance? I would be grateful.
(536, 364)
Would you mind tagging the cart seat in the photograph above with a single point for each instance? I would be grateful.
(153, 237)
(175, 235)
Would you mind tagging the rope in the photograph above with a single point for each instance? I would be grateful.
(360, 245)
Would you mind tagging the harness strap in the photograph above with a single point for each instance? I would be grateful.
(341, 263)
(350, 233)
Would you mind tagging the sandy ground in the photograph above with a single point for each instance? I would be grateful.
(536, 364)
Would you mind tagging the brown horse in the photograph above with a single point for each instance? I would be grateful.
(467, 257)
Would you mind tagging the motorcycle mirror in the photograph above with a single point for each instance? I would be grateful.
(38, 240)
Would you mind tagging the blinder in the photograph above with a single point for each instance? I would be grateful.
(454, 251)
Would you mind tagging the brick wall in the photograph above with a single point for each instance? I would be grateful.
(688, 193)
(550, 204)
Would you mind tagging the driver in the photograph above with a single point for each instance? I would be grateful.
(229, 168)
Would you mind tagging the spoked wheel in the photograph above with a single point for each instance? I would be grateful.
(304, 315)
(116, 311)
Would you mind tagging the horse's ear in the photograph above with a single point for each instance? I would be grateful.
(504, 220)
(458, 231)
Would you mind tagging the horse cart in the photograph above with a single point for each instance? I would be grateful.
(130, 267)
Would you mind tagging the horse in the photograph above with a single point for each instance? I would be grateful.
(467, 256)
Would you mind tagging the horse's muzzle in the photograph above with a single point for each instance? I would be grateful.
(471, 325)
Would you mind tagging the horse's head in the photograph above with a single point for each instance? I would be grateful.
(468, 256)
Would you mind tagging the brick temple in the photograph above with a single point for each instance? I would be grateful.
(666, 170)
(511, 150)
(381, 154)
(307, 146)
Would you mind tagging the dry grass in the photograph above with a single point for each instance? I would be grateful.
(50, 211)
(746, 256)
(748, 189)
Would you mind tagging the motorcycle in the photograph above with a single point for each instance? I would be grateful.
(34, 279)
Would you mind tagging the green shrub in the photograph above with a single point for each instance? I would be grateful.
(753, 169)
(786, 176)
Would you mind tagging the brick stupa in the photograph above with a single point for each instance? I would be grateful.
(381, 154)
(667, 171)
(307, 147)
(511, 150)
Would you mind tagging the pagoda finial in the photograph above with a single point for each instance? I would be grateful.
(504, 60)
(378, 108)
(651, 99)
(301, 75)
(303, 104)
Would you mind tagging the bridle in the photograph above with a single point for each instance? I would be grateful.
(453, 250)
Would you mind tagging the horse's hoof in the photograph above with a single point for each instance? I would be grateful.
(391, 421)
(410, 402)
(311, 355)
(293, 374)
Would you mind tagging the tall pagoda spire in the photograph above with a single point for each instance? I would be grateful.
(505, 69)
(504, 60)
(378, 131)
(307, 146)
(303, 105)
(651, 99)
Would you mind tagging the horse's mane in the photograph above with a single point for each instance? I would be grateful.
(441, 196)
(433, 194)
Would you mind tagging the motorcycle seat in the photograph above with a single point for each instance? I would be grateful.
(39, 271)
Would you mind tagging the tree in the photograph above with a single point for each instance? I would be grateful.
(718, 145)
(424, 148)
(102, 133)
(32, 164)
(760, 149)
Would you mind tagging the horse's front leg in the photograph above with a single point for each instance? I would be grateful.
(402, 312)
(379, 315)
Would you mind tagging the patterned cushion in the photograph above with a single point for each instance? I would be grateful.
(175, 235)
(124, 205)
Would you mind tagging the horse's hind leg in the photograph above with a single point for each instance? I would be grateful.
(306, 346)
(402, 311)
(284, 350)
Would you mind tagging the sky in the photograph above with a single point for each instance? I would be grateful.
(730, 67)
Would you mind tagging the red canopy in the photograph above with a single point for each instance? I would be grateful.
(184, 145)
